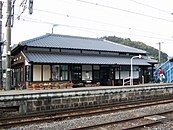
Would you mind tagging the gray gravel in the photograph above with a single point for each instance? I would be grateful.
(85, 121)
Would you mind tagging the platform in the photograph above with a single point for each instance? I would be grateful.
(104, 88)
(36, 101)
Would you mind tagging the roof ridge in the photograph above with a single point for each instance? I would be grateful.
(70, 36)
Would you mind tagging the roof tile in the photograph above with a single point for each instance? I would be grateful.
(82, 59)
(74, 42)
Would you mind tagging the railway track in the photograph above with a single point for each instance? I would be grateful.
(116, 123)
(127, 124)
(49, 117)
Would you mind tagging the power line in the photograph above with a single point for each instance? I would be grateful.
(95, 21)
(90, 20)
(128, 11)
(150, 6)
(90, 29)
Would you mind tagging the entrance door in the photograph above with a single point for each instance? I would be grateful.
(76, 73)
(106, 76)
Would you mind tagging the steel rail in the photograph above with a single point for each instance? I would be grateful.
(124, 121)
(8, 122)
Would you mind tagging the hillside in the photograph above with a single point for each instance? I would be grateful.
(140, 45)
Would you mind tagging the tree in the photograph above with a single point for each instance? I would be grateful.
(137, 44)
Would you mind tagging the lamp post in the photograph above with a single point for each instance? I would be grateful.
(131, 74)
(54, 25)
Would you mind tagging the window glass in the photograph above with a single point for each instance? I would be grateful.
(86, 72)
(96, 75)
(64, 72)
(117, 74)
(135, 74)
(76, 73)
(46, 72)
(28, 73)
(21, 74)
(17, 74)
(36, 72)
(64, 67)
(64, 75)
(55, 72)
(124, 74)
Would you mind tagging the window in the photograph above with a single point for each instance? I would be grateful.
(124, 74)
(96, 72)
(17, 75)
(28, 73)
(21, 74)
(117, 74)
(96, 75)
(135, 74)
(64, 72)
(126, 70)
(135, 71)
(46, 72)
(59, 72)
(86, 72)
(55, 72)
(36, 72)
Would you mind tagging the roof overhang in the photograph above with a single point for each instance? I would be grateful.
(82, 59)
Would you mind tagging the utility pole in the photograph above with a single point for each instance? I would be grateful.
(9, 24)
(1, 44)
(8, 43)
(159, 53)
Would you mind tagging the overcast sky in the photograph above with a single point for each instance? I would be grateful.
(148, 21)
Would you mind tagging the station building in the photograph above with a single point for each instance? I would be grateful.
(55, 58)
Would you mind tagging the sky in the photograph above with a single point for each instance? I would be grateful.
(148, 21)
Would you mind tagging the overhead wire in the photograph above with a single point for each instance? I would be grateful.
(95, 21)
(90, 20)
(128, 11)
(90, 29)
(50, 23)
(146, 5)
(106, 6)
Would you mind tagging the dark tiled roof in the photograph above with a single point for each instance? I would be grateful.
(74, 42)
(82, 59)
(153, 61)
